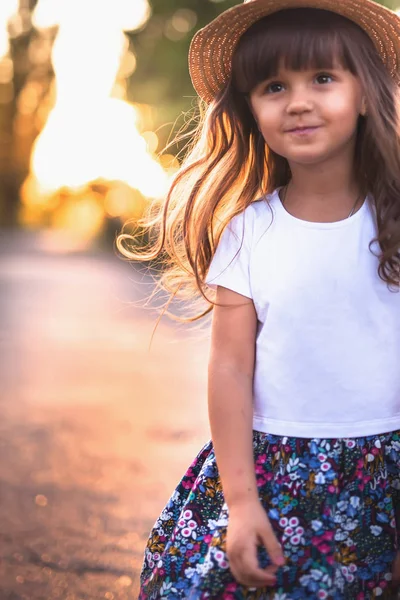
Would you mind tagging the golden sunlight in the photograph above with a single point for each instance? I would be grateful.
(91, 133)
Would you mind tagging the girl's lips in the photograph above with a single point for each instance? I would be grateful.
(303, 130)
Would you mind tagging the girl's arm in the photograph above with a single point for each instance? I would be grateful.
(230, 400)
(230, 394)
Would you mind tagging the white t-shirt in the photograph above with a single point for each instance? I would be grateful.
(328, 339)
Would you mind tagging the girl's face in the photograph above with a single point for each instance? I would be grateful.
(309, 116)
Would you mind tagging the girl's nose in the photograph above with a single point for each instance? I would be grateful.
(299, 102)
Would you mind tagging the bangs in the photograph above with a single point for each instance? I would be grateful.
(297, 39)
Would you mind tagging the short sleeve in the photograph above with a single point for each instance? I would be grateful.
(230, 266)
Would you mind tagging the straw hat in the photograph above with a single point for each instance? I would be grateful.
(211, 50)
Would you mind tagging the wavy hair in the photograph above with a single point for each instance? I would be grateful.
(228, 165)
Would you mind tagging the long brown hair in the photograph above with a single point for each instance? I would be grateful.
(228, 164)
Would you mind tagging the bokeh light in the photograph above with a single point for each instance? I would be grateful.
(90, 133)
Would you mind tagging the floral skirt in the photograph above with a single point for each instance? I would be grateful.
(334, 504)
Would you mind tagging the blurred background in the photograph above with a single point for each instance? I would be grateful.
(96, 428)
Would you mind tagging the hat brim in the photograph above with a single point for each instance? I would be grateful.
(212, 48)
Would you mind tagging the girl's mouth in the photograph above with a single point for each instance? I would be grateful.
(303, 131)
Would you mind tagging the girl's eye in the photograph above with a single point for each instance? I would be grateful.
(324, 78)
(274, 88)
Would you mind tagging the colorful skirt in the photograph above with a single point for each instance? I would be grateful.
(334, 504)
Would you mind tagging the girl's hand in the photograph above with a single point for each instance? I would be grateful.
(249, 527)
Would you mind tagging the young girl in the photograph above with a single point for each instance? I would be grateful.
(288, 206)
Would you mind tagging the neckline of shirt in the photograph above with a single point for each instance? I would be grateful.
(317, 225)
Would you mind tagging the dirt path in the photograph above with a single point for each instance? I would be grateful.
(95, 429)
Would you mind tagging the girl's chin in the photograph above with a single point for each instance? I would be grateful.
(307, 158)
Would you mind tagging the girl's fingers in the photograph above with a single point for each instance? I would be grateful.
(257, 578)
(246, 570)
(271, 544)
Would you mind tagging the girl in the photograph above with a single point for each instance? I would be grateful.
(288, 206)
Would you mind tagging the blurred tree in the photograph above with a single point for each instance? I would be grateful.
(16, 134)
(162, 78)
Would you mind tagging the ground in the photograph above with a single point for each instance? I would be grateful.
(95, 429)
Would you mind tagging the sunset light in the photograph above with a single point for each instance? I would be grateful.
(91, 132)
